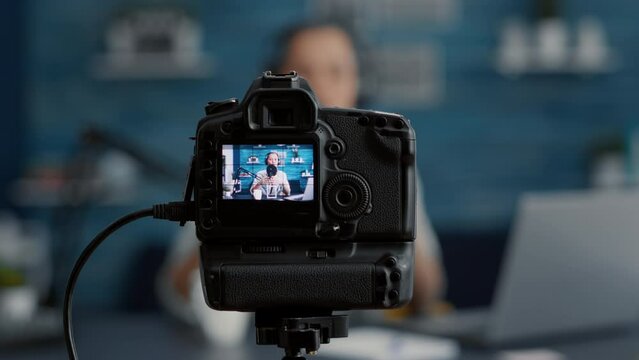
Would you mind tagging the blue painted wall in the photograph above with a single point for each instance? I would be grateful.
(494, 137)
(491, 138)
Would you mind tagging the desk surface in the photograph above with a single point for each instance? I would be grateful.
(152, 336)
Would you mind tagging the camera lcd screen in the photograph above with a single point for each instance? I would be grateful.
(268, 172)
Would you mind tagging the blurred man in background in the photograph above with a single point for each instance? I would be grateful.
(325, 55)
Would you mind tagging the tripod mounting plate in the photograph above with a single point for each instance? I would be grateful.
(294, 333)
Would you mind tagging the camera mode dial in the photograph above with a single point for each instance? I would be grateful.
(216, 107)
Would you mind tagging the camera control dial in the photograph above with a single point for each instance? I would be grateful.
(347, 196)
(216, 107)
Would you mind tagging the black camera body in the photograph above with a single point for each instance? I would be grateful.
(330, 227)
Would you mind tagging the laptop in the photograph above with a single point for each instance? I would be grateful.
(306, 196)
(572, 266)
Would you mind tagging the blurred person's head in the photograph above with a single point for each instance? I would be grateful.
(323, 54)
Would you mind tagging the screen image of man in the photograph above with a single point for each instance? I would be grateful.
(271, 181)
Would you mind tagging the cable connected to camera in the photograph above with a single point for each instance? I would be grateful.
(174, 211)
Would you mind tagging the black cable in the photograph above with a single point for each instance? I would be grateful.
(181, 211)
(68, 295)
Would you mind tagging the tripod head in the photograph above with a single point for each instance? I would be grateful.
(296, 331)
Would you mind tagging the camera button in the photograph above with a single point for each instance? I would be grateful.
(393, 294)
(381, 121)
(391, 261)
(317, 254)
(328, 229)
(227, 127)
(207, 203)
(207, 223)
(335, 148)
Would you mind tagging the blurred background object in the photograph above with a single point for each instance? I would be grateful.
(153, 42)
(506, 97)
(554, 44)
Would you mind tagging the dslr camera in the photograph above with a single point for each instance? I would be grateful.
(300, 209)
